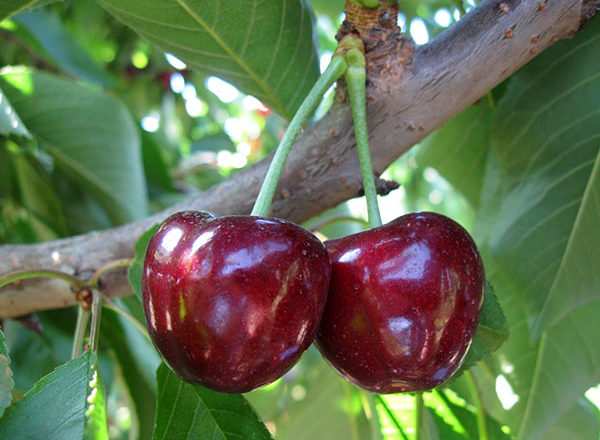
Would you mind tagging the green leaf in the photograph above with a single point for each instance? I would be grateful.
(6, 377)
(10, 123)
(468, 420)
(567, 364)
(50, 34)
(57, 406)
(544, 197)
(446, 432)
(90, 135)
(582, 418)
(539, 227)
(458, 150)
(427, 428)
(37, 195)
(187, 411)
(138, 366)
(155, 163)
(263, 48)
(96, 426)
(81, 211)
(11, 7)
(491, 332)
(313, 401)
(579, 261)
(35, 355)
(135, 269)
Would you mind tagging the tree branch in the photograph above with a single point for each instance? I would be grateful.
(412, 92)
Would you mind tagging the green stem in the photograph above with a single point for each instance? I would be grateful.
(419, 408)
(95, 325)
(491, 100)
(11, 277)
(480, 412)
(391, 416)
(334, 71)
(370, 410)
(356, 77)
(337, 219)
(349, 391)
(83, 317)
(108, 303)
(125, 262)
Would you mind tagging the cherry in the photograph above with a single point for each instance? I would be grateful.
(403, 303)
(232, 302)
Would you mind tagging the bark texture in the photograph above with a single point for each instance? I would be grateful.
(411, 92)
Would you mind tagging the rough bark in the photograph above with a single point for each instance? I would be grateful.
(412, 91)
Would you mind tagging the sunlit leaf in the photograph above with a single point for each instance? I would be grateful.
(138, 366)
(313, 402)
(539, 226)
(582, 418)
(427, 427)
(458, 150)
(263, 48)
(56, 43)
(10, 123)
(90, 135)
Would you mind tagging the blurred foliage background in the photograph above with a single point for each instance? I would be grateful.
(195, 131)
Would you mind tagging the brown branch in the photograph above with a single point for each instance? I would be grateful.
(411, 93)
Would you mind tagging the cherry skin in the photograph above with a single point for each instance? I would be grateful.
(232, 302)
(403, 303)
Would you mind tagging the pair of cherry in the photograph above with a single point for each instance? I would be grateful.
(232, 302)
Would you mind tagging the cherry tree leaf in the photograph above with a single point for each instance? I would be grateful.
(458, 150)
(315, 402)
(538, 224)
(492, 331)
(188, 411)
(90, 135)
(263, 48)
(56, 44)
(62, 405)
(11, 7)
(137, 365)
(10, 123)
(134, 273)
(6, 378)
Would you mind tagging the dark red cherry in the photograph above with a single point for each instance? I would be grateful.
(232, 302)
(403, 303)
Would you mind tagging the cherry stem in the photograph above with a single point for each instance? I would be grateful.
(334, 71)
(93, 282)
(419, 409)
(337, 219)
(11, 277)
(391, 416)
(95, 325)
(83, 317)
(480, 412)
(356, 77)
(110, 304)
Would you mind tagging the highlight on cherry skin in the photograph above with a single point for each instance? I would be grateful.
(403, 304)
(232, 302)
